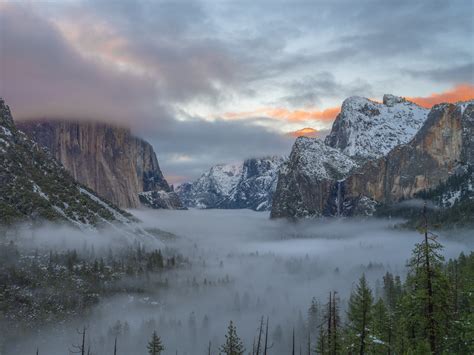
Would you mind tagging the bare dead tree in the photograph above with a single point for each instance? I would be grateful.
(266, 346)
(260, 331)
(80, 349)
(293, 346)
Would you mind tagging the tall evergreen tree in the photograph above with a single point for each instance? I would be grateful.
(381, 327)
(359, 316)
(426, 301)
(233, 345)
(155, 347)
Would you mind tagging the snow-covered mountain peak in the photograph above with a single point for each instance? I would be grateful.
(249, 184)
(391, 100)
(319, 160)
(225, 176)
(367, 129)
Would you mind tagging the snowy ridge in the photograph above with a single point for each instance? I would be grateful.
(257, 184)
(316, 159)
(250, 184)
(367, 129)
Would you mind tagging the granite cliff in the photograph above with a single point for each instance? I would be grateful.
(393, 157)
(109, 160)
(35, 187)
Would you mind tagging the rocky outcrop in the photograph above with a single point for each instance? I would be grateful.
(442, 143)
(306, 181)
(107, 159)
(34, 186)
(248, 185)
(212, 187)
(256, 185)
(365, 129)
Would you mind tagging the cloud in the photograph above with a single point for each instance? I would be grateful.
(462, 92)
(43, 76)
(310, 90)
(456, 74)
(305, 132)
(281, 113)
(143, 63)
(204, 143)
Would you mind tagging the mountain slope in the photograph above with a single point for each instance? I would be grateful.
(212, 187)
(248, 185)
(366, 129)
(443, 142)
(107, 159)
(450, 203)
(305, 183)
(34, 186)
(256, 185)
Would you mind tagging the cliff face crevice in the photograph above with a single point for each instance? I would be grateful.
(107, 159)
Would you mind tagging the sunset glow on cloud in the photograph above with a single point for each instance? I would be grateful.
(302, 115)
(183, 73)
(305, 132)
(462, 92)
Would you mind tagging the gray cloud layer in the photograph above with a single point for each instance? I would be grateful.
(219, 55)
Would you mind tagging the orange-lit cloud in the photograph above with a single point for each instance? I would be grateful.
(304, 132)
(461, 92)
(328, 114)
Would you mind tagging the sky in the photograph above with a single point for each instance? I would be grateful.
(211, 82)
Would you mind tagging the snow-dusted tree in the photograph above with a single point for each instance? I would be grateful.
(155, 347)
(233, 345)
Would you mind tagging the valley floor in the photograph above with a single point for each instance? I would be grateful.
(242, 266)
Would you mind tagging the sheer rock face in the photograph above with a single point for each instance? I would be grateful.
(35, 186)
(107, 159)
(442, 143)
(306, 181)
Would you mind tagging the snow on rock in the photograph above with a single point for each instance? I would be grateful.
(318, 160)
(250, 184)
(366, 129)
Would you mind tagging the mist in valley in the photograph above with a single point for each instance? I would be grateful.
(237, 265)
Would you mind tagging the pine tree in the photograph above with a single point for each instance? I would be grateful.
(155, 347)
(360, 315)
(381, 328)
(233, 345)
(426, 303)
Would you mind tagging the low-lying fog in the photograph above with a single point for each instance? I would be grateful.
(243, 266)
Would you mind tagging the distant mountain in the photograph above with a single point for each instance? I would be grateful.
(34, 186)
(109, 160)
(366, 129)
(390, 163)
(247, 185)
